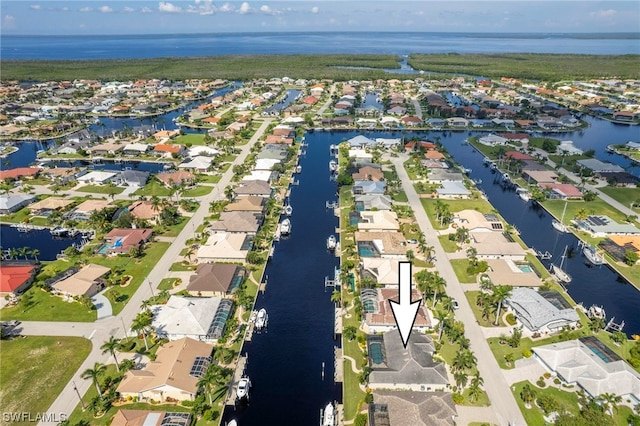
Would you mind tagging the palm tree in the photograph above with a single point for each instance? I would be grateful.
(336, 297)
(439, 284)
(474, 388)
(228, 192)
(111, 346)
(35, 253)
(499, 294)
(461, 378)
(141, 324)
(24, 251)
(207, 381)
(464, 360)
(441, 317)
(94, 374)
(597, 324)
(528, 395)
(13, 253)
(610, 402)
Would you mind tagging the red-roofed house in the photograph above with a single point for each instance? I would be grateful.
(562, 190)
(432, 154)
(168, 149)
(310, 100)
(15, 279)
(121, 240)
(517, 155)
(19, 172)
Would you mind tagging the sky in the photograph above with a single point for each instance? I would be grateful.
(26, 17)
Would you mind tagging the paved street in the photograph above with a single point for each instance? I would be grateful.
(503, 404)
(100, 330)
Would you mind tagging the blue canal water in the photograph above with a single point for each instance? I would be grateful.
(285, 363)
(286, 43)
(42, 240)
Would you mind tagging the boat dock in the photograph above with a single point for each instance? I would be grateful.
(338, 370)
(251, 326)
(337, 323)
(331, 204)
(237, 375)
(612, 326)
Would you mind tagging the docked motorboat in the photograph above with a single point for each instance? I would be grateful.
(233, 422)
(242, 391)
(285, 227)
(333, 166)
(328, 416)
(59, 232)
(592, 255)
(298, 169)
(262, 319)
(288, 210)
(596, 312)
(523, 194)
(331, 242)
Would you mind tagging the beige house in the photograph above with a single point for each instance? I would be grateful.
(378, 220)
(86, 282)
(384, 271)
(174, 374)
(494, 245)
(225, 247)
(381, 244)
(84, 210)
(215, 279)
(48, 205)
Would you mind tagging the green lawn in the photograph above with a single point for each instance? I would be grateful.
(168, 284)
(460, 267)
(198, 191)
(190, 138)
(399, 197)
(47, 307)
(596, 206)
(35, 369)
(209, 178)
(154, 187)
(448, 245)
(101, 189)
(179, 266)
(534, 415)
(173, 230)
(625, 196)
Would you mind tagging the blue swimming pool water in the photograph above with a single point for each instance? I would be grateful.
(366, 252)
(375, 352)
(525, 268)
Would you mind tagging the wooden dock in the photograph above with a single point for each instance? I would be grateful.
(338, 370)
(337, 322)
(237, 375)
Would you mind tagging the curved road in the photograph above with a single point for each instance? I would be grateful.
(503, 403)
(100, 331)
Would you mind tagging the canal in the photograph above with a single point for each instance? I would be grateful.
(285, 363)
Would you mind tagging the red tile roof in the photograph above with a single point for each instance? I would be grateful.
(18, 172)
(12, 277)
(517, 155)
(166, 147)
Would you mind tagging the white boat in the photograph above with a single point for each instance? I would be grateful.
(465, 170)
(592, 255)
(596, 312)
(233, 422)
(262, 319)
(331, 242)
(506, 177)
(558, 224)
(285, 227)
(328, 416)
(242, 391)
(288, 210)
(560, 273)
(523, 194)
(333, 166)
(298, 169)
(477, 181)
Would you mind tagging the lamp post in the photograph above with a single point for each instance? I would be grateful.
(126, 334)
(79, 396)
(151, 287)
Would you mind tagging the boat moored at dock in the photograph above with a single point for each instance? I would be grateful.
(285, 227)
(328, 416)
(331, 242)
(242, 391)
(262, 319)
(592, 255)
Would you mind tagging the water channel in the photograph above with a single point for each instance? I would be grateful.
(291, 365)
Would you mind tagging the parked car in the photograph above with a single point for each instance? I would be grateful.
(455, 304)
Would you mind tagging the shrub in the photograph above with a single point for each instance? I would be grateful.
(556, 381)
(457, 398)
(547, 375)
(361, 420)
(511, 319)
(540, 383)
(368, 398)
(527, 353)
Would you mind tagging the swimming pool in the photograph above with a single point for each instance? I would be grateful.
(375, 353)
(525, 267)
(367, 249)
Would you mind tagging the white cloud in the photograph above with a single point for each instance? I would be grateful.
(146, 10)
(105, 9)
(168, 7)
(86, 9)
(245, 8)
(128, 9)
(315, 9)
(267, 10)
(35, 7)
(9, 21)
(227, 7)
(202, 7)
(608, 13)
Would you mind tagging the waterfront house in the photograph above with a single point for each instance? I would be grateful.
(360, 156)
(378, 316)
(135, 149)
(381, 244)
(150, 418)
(410, 368)
(373, 201)
(378, 221)
(97, 177)
(19, 173)
(122, 240)
(84, 210)
(368, 187)
(475, 221)
(266, 163)
(165, 135)
(440, 176)
(591, 365)
(173, 374)
(453, 190)
(250, 203)
(562, 191)
(246, 222)
(539, 176)
(60, 174)
(215, 279)
(597, 166)
(254, 187)
(14, 202)
(508, 272)
(108, 148)
(16, 277)
(383, 271)
(361, 142)
(368, 173)
(86, 282)
(168, 150)
(457, 122)
(494, 245)
(412, 408)
(198, 318)
(225, 247)
(602, 226)
(542, 312)
(493, 140)
(48, 205)
(201, 150)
